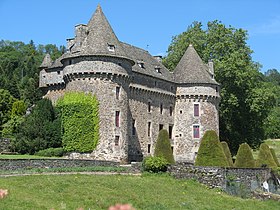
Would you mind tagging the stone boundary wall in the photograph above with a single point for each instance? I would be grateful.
(4, 144)
(18, 164)
(251, 178)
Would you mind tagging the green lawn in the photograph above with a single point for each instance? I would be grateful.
(99, 192)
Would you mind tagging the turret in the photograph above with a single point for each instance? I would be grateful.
(196, 108)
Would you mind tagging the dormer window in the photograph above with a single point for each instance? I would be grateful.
(141, 64)
(157, 68)
(111, 47)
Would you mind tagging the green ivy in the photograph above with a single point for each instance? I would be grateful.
(80, 122)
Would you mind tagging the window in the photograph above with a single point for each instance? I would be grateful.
(196, 131)
(170, 131)
(70, 62)
(149, 106)
(170, 110)
(133, 127)
(157, 68)
(196, 110)
(155, 83)
(149, 148)
(58, 72)
(161, 108)
(149, 129)
(160, 126)
(181, 111)
(141, 64)
(117, 117)
(118, 92)
(117, 140)
(111, 47)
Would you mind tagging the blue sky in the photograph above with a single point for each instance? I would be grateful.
(149, 24)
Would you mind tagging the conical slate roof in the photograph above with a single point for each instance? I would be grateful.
(191, 69)
(47, 61)
(101, 37)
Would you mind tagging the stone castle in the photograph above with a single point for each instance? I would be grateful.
(137, 95)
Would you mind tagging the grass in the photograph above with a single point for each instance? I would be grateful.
(272, 143)
(99, 192)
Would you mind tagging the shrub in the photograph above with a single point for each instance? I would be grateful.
(51, 152)
(80, 122)
(227, 153)
(274, 157)
(244, 157)
(210, 152)
(154, 164)
(265, 157)
(163, 147)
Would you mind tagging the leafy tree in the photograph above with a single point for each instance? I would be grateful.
(210, 152)
(244, 157)
(272, 124)
(18, 108)
(163, 147)
(6, 103)
(273, 76)
(265, 157)
(245, 102)
(227, 153)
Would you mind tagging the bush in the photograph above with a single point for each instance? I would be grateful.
(227, 153)
(51, 152)
(265, 158)
(274, 157)
(210, 152)
(244, 157)
(154, 164)
(163, 147)
(80, 122)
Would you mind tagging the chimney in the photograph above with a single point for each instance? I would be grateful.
(211, 68)
(158, 58)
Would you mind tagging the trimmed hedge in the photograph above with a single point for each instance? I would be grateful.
(265, 158)
(244, 157)
(155, 164)
(274, 157)
(51, 152)
(80, 122)
(227, 153)
(163, 147)
(210, 152)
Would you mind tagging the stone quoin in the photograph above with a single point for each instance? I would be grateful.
(137, 94)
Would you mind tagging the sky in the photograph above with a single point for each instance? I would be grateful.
(148, 24)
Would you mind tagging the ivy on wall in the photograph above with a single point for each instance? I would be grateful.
(80, 121)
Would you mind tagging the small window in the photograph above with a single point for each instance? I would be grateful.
(217, 90)
(120, 64)
(133, 127)
(160, 127)
(170, 110)
(141, 64)
(118, 92)
(70, 62)
(117, 140)
(196, 132)
(196, 110)
(155, 83)
(170, 131)
(149, 148)
(58, 72)
(181, 112)
(111, 47)
(117, 118)
(158, 70)
(149, 129)
(161, 108)
(149, 106)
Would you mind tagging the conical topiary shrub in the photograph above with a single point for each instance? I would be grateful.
(244, 157)
(274, 157)
(163, 147)
(265, 158)
(227, 153)
(210, 152)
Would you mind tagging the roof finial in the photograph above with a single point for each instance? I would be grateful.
(190, 45)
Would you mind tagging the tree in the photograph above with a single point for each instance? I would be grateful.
(227, 153)
(265, 158)
(210, 152)
(6, 103)
(244, 157)
(244, 105)
(163, 147)
(274, 156)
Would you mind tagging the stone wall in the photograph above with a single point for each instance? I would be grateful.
(19, 164)
(223, 178)
(4, 145)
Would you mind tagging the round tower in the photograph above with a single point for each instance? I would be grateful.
(196, 107)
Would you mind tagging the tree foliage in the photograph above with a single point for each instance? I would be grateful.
(163, 147)
(244, 157)
(245, 99)
(80, 122)
(227, 153)
(274, 156)
(210, 152)
(265, 158)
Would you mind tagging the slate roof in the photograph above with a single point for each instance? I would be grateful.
(47, 61)
(191, 69)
